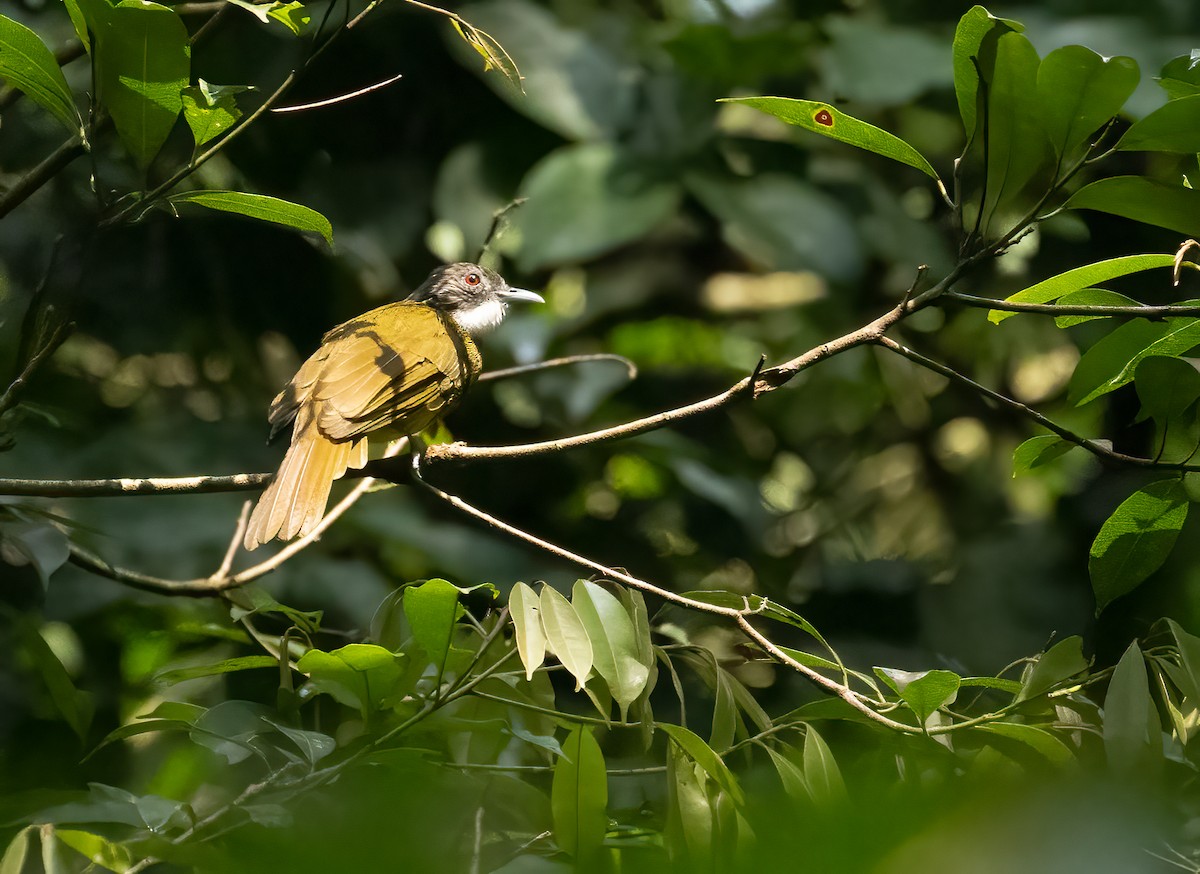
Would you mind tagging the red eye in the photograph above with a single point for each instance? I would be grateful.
(472, 279)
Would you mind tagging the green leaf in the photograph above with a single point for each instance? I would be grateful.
(27, 65)
(99, 851)
(690, 814)
(1136, 539)
(1113, 361)
(780, 222)
(432, 609)
(1050, 290)
(210, 110)
(358, 675)
(252, 600)
(293, 15)
(579, 795)
(923, 691)
(1149, 201)
(566, 637)
(1039, 450)
(1018, 148)
(74, 704)
(587, 199)
(1090, 297)
(1132, 731)
(13, 861)
(527, 627)
(1166, 386)
(615, 652)
(142, 58)
(809, 660)
(79, 22)
(262, 207)
(494, 55)
(702, 754)
(1173, 127)
(790, 775)
(227, 666)
(34, 542)
(974, 30)
(1039, 740)
(145, 726)
(1078, 91)
(313, 745)
(1180, 77)
(1061, 662)
(230, 728)
(827, 120)
(821, 772)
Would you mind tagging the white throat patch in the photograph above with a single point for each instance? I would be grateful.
(481, 318)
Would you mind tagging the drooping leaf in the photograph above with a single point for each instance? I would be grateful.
(1173, 127)
(433, 609)
(523, 605)
(790, 775)
(262, 207)
(27, 65)
(1050, 290)
(1132, 731)
(1136, 539)
(1174, 207)
(690, 814)
(704, 756)
(821, 772)
(13, 860)
(358, 675)
(579, 795)
(495, 56)
(142, 58)
(99, 851)
(975, 28)
(1113, 361)
(1061, 662)
(827, 120)
(1078, 91)
(1166, 386)
(210, 110)
(615, 651)
(74, 704)
(1039, 450)
(566, 637)
(923, 691)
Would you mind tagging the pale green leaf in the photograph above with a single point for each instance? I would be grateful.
(566, 638)
(27, 65)
(704, 756)
(616, 654)
(1050, 290)
(1061, 662)
(579, 795)
(1039, 450)
(523, 605)
(226, 666)
(1039, 740)
(1132, 731)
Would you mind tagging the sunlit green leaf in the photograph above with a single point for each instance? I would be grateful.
(1039, 450)
(262, 207)
(99, 851)
(142, 58)
(359, 675)
(1050, 290)
(1174, 207)
(579, 795)
(1136, 539)
(1090, 297)
(494, 55)
(1078, 91)
(523, 605)
(827, 120)
(1132, 731)
(615, 649)
(1061, 662)
(210, 110)
(294, 16)
(1173, 127)
(432, 609)
(27, 65)
(566, 637)
(1180, 78)
(976, 28)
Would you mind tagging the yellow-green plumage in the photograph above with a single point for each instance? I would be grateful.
(401, 367)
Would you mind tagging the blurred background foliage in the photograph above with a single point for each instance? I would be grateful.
(688, 235)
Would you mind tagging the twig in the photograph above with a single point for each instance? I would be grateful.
(1048, 309)
(50, 166)
(506, 372)
(341, 98)
(60, 333)
(123, 486)
(1093, 446)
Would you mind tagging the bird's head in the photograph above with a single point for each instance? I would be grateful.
(474, 297)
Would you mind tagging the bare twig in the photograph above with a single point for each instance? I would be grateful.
(60, 333)
(506, 372)
(341, 98)
(122, 486)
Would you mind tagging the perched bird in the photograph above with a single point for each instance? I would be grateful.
(400, 367)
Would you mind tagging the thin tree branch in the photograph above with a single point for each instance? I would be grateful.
(506, 372)
(1048, 309)
(1096, 447)
(50, 166)
(122, 486)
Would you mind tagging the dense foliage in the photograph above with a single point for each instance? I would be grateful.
(874, 446)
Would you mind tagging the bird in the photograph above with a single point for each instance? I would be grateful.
(397, 369)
